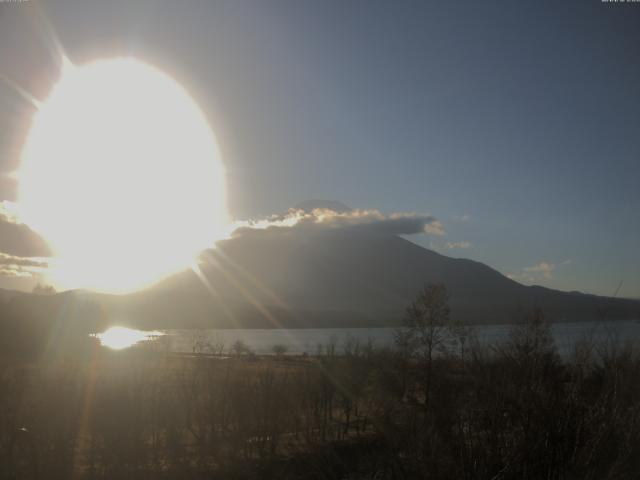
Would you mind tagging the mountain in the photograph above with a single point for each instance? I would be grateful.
(348, 277)
(6, 295)
(339, 278)
(301, 277)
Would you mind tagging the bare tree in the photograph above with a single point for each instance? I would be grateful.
(218, 344)
(461, 334)
(279, 350)
(426, 328)
(44, 289)
(239, 347)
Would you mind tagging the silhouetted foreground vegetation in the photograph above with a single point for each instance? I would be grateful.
(420, 410)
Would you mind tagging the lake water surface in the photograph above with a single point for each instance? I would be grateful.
(298, 341)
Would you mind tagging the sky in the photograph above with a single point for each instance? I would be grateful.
(515, 124)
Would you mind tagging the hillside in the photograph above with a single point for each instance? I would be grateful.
(317, 278)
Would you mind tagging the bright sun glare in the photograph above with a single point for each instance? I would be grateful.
(121, 174)
(118, 338)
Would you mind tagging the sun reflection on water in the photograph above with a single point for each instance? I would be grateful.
(118, 338)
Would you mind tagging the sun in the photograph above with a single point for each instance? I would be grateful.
(122, 175)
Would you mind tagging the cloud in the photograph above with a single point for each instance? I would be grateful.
(462, 218)
(9, 211)
(546, 268)
(462, 244)
(16, 266)
(16, 238)
(405, 223)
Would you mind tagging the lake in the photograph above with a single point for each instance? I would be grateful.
(299, 341)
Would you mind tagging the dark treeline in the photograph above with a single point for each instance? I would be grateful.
(438, 405)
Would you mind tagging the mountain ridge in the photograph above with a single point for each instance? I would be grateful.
(291, 280)
(320, 277)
